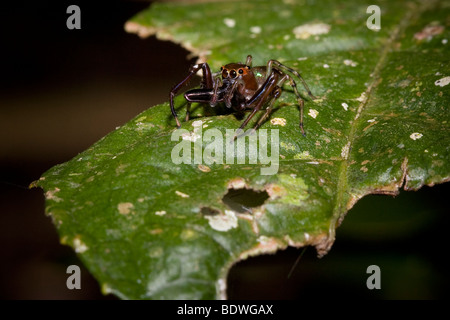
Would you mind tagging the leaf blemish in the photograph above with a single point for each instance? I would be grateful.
(416, 135)
(303, 156)
(255, 29)
(237, 183)
(351, 63)
(442, 82)
(230, 23)
(79, 245)
(362, 97)
(50, 195)
(278, 121)
(181, 194)
(267, 244)
(203, 168)
(275, 191)
(313, 113)
(307, 30)
(429, 31)
(223, 222)
(125, 207)
(345, 150)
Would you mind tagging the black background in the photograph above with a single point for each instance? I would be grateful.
(62, 90)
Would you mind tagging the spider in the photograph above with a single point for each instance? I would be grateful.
(241, 87)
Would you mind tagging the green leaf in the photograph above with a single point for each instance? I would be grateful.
(149, 228)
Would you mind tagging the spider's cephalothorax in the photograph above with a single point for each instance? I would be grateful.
(241, 87)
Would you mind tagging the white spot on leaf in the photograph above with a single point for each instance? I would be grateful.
(190, 136)
(255, 29)
(50, 195)
(79, 245)
(345, 106)
(313, 113)
(278, 121)
(362, 97)
(230, 23)
(237, 183)
(351, 63)
(160, 213)
(223, 222)
(197, 123)
(442, 82)
(306, 30)
(181, 194)
(416, 135)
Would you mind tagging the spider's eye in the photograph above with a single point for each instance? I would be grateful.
(221, 68)
(248, 67)
(241, 71)
(233, 74)
(224, 73)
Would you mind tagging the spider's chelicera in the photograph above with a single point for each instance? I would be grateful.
(241, 87)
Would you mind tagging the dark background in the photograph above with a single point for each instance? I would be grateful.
(62, 90)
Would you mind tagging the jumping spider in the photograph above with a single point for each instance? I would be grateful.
(241, 87)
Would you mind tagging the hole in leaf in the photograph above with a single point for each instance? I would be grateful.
(242, 200)
(207, 211)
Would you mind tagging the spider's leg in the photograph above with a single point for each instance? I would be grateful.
(276, 95)
(207, 83)
(286, 76)
(284, 68)
(214, 97)
(259, 98)
(188, 111)
(230, 94)
(248, 62)
(299, 99)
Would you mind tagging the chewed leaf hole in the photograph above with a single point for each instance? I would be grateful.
(207, 211)
(242, 200)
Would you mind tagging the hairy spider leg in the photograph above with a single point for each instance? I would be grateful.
(248, 62)
(211, 97)
(276, 95)
(214, 97)
(283, 68)
(301, 102)
(207, 83)
(230, 94)
(259, 98)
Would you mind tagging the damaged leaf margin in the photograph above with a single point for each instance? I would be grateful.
(136, 220)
